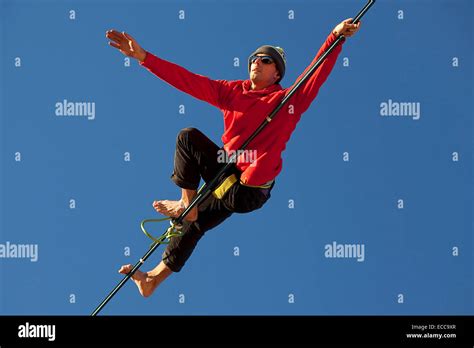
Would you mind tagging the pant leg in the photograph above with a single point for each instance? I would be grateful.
(212, 212)
(195, 157)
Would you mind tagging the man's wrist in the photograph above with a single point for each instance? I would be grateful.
(142, 57)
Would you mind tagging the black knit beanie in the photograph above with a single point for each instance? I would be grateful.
(278, 55)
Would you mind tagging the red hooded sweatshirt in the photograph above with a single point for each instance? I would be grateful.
(245, 109)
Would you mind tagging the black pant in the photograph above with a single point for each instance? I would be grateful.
(196, 157)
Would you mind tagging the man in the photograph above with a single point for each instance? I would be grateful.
(245, 104)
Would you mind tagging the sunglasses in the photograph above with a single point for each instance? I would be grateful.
(263, 59)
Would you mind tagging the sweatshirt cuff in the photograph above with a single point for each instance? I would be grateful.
(333, 37)
(146, 61)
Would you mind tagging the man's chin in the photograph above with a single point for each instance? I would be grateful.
(255, 79)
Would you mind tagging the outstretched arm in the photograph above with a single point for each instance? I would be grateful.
(198, 86)
(309, 90)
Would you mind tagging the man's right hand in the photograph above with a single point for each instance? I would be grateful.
(126, 44)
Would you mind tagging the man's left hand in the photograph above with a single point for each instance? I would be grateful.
(346, 28)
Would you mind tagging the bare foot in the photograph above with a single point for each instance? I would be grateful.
(174, 209)
(146, 285)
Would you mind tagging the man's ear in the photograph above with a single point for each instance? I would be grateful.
(276, 75)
